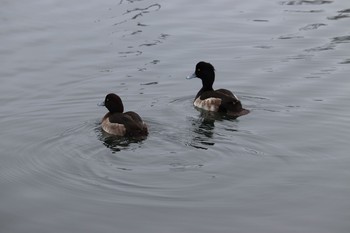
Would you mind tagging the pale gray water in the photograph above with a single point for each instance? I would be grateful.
(282, 168)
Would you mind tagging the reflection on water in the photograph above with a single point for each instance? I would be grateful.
(346, 61)
(306, 2)
(133, 35)
(202, 133)
(117, 143)
(203, 128)
(140, 11)
(330, 46)
(342, 15)
(312, 26)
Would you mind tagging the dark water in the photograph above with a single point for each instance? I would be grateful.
(282, 168)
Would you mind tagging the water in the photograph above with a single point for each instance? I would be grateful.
(281, 168)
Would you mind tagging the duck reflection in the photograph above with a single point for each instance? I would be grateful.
(118, 143)
(202, 133)
(203, 128)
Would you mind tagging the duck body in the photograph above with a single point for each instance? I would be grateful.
(220, 100)
(120, 123)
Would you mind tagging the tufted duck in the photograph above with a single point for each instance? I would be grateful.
(220, 100)
(121, 124)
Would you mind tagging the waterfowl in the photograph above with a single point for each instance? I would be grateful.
(120, 123)
(220, 100)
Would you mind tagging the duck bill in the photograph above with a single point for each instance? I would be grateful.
(101, 104)
(191, 76)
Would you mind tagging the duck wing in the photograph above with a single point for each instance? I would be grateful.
(229, 102)
(223, 94)
(226, 92)
(115, 117)
(134, 116)
(134, 124)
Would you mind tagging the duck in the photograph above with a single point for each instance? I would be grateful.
(221, 100)
(119, 123)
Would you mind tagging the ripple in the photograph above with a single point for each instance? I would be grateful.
(261, 20)
(138, 12)
(341, 39)
(306, 2)
(83, 161)
(339, 16)
(312, 26)
(263, 46)
(298, 57)
(141, 11)
(288, 37)
(133, 33)
(149, 83)
(344, 11)
(346, 61)
(127, 53)
(128, 29)
(312, 77)
(305, 11)
(321, 48)
(155, 42)
(72, 160)
(331, 45)
(343, 14)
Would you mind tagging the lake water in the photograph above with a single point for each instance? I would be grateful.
(282, 168)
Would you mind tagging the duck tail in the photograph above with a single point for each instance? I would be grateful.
(134, 125)
(233, 109)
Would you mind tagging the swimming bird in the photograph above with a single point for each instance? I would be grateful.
(120, 123)
(220, 100)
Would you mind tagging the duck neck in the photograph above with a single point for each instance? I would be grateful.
(116, 108)
(207, 84)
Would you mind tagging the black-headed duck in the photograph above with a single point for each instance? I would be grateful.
(220, 100)
(120, 123)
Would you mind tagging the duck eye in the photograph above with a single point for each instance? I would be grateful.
(107, 100)
(198, 69)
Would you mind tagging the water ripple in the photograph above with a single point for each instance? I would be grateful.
(82, 159)
(312, 26)
(346, 61)
(339, 16)
(141, 11)
(342, 14)
(341, 39)
(128, 30)
(306, 2)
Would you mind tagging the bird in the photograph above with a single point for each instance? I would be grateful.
(221, 100)
(120, 123)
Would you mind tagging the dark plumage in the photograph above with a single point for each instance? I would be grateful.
(220, 100)
(121, 124)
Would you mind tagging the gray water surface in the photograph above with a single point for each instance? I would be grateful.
(282, 168)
